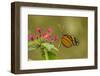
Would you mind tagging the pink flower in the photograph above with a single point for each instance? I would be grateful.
(55, 38)
(50, 30)
(38, 29)
(46, 35)
(31, 37)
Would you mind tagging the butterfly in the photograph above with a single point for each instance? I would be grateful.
(69, 41)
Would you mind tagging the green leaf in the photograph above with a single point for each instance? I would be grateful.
(49, 46)
(41, 40)
(50, 55)
(35, 42)
(32, 48)
(32, 45)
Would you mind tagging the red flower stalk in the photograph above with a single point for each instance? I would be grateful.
(50, 30)
(38, 29)
(31, 37)
(46, 35)
(55, 38)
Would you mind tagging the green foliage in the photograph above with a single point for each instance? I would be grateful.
(35, 44)
(51, 55)
(48, 50)
(49, 46)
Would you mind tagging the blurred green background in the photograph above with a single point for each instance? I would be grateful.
(75, 26)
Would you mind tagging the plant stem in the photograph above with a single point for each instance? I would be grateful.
(59, 45)
(46, 55)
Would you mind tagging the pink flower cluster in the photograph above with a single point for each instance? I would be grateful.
(46, 35)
